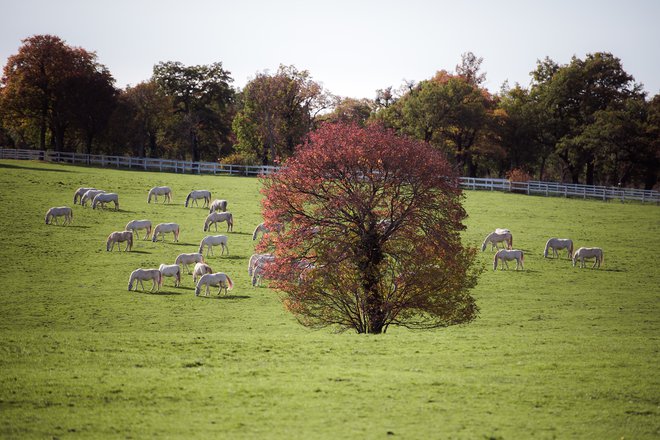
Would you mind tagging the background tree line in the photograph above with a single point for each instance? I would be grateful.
(586, 121)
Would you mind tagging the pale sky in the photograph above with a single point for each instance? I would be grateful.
(352, 47)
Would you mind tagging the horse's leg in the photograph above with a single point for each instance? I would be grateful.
(505, 263)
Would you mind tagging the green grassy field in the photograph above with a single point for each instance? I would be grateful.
(557, 352)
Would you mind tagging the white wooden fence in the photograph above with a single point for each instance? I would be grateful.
(181, 166)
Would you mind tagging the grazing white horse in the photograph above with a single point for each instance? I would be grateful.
(584, 252)
(261, 227)
(218, 205)
(119, 237)
(171, 270)
(134, 225)
(89, 195)
(139, 275)
(77, 196)
(257, 265)
(61, 211)
(201, 269)
(163, 228)
(508, 255)
(213, 240)
(558, 243)
(198, 194)
(160, 191)
(186, 259)
(214, 279)
(106, 198)
(218, 217)
(498, 236)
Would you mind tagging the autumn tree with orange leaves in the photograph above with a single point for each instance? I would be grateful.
(370, 233)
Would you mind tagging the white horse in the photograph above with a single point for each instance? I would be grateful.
(139, 275)
(89, 195)
(77, 196)
(163, 228)
(508, 255)
(61, 211)
(218, 217)
(200, 270)
(186, 259)
(584, 252)
(257, 265)
(213, 240)
(134, 225)
(106, 198)
(160, 191)
(214, 279)
(558, 243)
(198, 194)
(218, 205)
(261, 227)
(171, 270)
(119, 237)
(498, 236)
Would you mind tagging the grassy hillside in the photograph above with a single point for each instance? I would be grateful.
(557, 352)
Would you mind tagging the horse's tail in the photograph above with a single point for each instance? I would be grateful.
(178, 276)
(522, 257)
(229, 282)
(510, 241)
(495, 262)
(230, 221)
(130, 241)
(570, 248)
(201, 247)
(602, 257)
(176, 234)
(187, 199)
(160, 279)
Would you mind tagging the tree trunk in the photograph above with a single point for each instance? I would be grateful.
(373, 256)
(590, 172)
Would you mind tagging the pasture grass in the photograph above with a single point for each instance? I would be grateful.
(557, 352)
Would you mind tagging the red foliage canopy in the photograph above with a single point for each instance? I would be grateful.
(371, 233)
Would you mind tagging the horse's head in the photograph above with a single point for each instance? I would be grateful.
(483, 246)
(130, 284)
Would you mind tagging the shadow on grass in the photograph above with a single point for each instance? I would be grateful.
(224, 297)
(133, 251)
(77, 226)
(160, 293)
(226, 257)
(18, 167)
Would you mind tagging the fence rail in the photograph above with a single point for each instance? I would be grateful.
(181, 166)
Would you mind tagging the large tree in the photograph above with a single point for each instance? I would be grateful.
(450, 111)
(49, 89)
(277, 111)
(371, 233)
(572, 96)
(202, 106)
